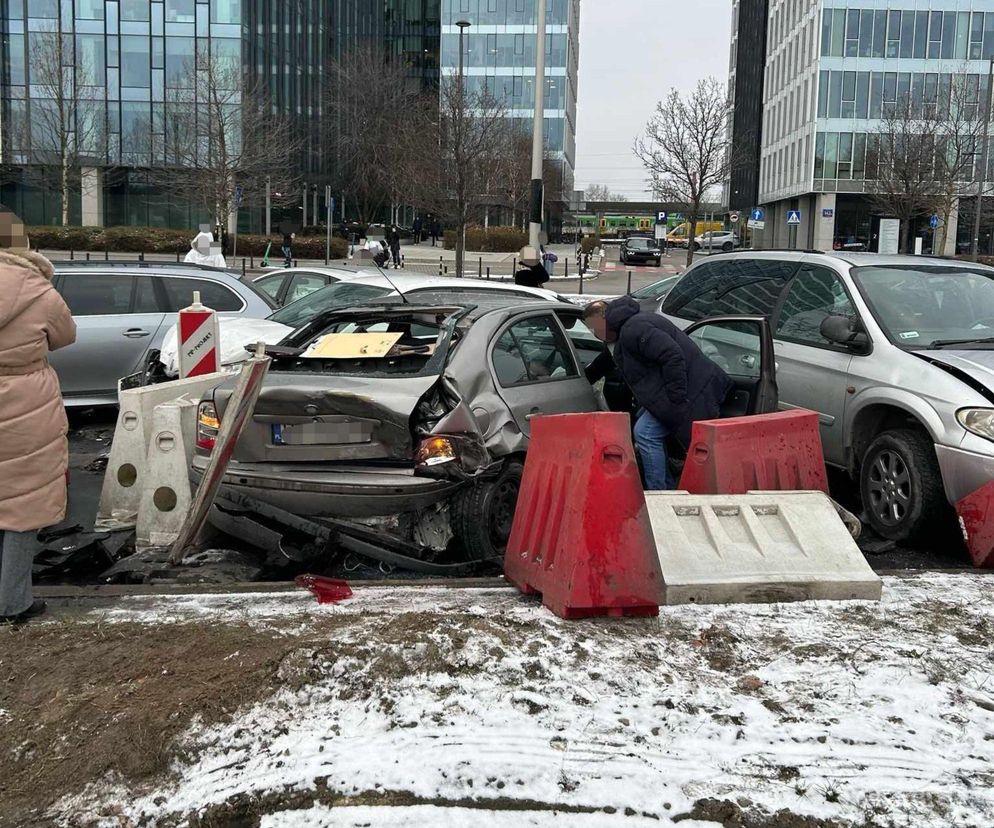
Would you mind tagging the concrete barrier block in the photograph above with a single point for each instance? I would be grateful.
(756, 548)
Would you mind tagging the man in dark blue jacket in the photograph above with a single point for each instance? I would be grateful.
(673, 382)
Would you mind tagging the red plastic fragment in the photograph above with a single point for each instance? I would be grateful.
(765, 452)
(976, 519)
(327, 590)
(581, 534)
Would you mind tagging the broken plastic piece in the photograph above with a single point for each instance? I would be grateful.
(327, 590)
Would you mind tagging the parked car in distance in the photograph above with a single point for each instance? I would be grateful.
(641, 249)
(723, 240)
(287, 285)
(895, 353)
(353, 286)
(123, 311)
(679, 236)
(411, 449)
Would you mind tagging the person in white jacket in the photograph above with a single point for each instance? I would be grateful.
(204, 250)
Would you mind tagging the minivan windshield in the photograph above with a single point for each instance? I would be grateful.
(931, 306)
(339, 295)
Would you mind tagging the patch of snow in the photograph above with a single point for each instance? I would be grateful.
(842, 710)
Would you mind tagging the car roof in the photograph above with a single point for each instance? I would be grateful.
(418, 281)
(476, 308)
(852, 259)
(171, 268)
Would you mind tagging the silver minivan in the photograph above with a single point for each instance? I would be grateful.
(895, 353)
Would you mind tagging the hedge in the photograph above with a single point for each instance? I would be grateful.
(494, 240)
(588, 244)
(160, 240)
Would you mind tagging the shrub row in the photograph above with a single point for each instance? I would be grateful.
(494, 240)
(160, 240)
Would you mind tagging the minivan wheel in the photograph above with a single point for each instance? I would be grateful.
(482, 513)
(901, 485)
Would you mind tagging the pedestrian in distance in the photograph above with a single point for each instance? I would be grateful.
(34, 450)
(288, 248)
(674, 384)
(436, 231)
(531, 272)
(393, 241)
(418, 227)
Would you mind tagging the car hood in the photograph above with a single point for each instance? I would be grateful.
(977, 365)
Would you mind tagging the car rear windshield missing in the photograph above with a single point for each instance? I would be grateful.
(378, 343)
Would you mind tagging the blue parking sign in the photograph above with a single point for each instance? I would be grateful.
(661, 217)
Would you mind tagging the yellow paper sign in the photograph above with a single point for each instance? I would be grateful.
(353, 345)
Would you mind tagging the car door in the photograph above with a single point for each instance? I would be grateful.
(813, 372)
(304, 282)
(536, 371)
(117, 319)
(742, 346)
(272, 285)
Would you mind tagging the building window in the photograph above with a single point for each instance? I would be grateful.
(90, 63)
(226, 11)
(180, 11)
(90, 9)
(135, 61)
(134, 10)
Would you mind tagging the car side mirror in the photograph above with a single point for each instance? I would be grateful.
(845, 331)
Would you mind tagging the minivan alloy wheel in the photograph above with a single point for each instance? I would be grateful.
(889, 488)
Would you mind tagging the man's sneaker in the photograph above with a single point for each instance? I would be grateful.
(37, 608)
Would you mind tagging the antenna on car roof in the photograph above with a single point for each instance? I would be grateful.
(399, 291)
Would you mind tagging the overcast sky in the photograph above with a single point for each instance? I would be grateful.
(631, 53)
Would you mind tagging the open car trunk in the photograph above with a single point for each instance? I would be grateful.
(346, 386)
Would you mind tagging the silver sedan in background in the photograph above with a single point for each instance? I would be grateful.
(122, 312)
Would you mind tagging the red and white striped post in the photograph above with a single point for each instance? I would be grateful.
(198, 339)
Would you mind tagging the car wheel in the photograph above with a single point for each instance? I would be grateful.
(482, 514)
(901, 485)
(696, 246)
(726, 247)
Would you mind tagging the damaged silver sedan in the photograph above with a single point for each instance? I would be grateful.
(399, 431)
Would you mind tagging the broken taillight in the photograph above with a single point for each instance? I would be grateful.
(208, 425)
(433, 451)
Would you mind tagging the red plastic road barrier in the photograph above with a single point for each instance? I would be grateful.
(327, 590)
(765, 452)
(198, 340)
(976, 519)
(581, 534)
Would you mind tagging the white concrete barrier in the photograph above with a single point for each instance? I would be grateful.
(165, 493)
(756, 548)
(124, 478)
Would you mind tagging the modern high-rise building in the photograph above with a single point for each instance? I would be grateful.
(127, 68)
(831, 69)
(745, 94)
(500, 56)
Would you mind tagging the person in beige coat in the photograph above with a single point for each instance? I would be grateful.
(34, 451)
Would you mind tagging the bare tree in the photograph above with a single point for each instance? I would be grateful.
(686, 148)
(222, 132)
(367, 107)
(601, 192)
(68, 122)
(462, 145)
(922, 156)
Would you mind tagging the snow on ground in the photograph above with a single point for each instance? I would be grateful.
(418, 703)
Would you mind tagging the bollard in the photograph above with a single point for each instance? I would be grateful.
(87, 255)
(403, 261)
(481, 268)
(295, 263)
(106, 254)
(243, 267)
(141, 257)
(581, 283)
(446, 270)
(252, 261)
(440, 266)
(488, 273)
(72, 254)
(514, 267)
(177, 257)
(567, 266)
(629, 291)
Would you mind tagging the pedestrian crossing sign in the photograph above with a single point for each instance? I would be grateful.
(793, 217)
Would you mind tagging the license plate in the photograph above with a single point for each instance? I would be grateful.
(323, 434)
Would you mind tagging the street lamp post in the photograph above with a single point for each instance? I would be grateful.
(463, 25)
(269, 206)
(538, 136)
(984, 156)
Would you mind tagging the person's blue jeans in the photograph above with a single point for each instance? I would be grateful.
(650, 440)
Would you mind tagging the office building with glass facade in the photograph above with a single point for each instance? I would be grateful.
(832, 68)
(500, 56)
(132, 66)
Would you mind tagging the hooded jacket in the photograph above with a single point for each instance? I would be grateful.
(668, 374)
(34, 452)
